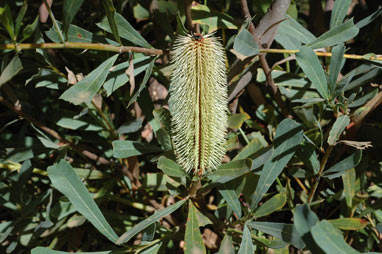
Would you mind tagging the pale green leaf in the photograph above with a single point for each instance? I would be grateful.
(289, 135)
(330, 239)
(148, 221)
(335, 36)
(128, 148)
(337, 129)
(67, 182)
(311, 66)
(283, 231)
(245, 44)
(274, 204)
(70, 9)
(339, 11)
(193, 241)
(246, 245)
(11, 70)
(83, 91)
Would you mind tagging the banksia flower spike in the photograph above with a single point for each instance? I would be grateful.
(198, 102)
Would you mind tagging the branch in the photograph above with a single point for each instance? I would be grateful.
(267, 35)
(154, 51)
(53, 133)
(81, 45)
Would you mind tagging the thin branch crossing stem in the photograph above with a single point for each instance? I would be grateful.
(153, 51)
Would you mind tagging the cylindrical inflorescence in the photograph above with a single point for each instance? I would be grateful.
(198, 102)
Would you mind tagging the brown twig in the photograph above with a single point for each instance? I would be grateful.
(319, 174)
(187, 11)
(263, 61)
(82, 45)
(53, 133)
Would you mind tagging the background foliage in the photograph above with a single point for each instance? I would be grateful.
(86, 160)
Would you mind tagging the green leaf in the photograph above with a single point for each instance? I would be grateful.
(170, 167)
(235, 121)
(117, 77)
(311, 66)
(307, 154)
(291, 34)
(348, 179)
(20, 17)
(337, 129)
(245, 44)
(78, 34)
(230, 196)
(193, 241)
(335, 36)
(70, 10)
(289, 135)
(128, 148)
(148, 72)
(274, 204)
(29, 29)
(126, 31)
(83, 91)
(246, 245)
(6, 20)
(254, 146)
(42, 250)
(336, 63)
(340, 167)
(339, 11)
(283, 231)
(11, 70)
(111, 18)
(369, 19)
(304, 219)
(203, 15)
(226, 246)
(150, 220)
(67, 182)
(349, 223)
(330, 239)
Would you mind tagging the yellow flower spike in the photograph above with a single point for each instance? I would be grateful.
(198, 102)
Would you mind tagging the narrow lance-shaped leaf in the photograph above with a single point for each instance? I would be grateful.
(245, 44)
(340, 168)
(246, 245)
(13, 67)
(336, 63)
(193, 241)
(128, 148)
(275, 203)
(70, 10)
(283, 231)
(83, 91)
(339, 11)
(337, 129)
(304, 219)
(42, 250)
(126, 30)
(348, 179)
(170, 167)
(335, 36)
(230, 196)
(198, 102)
(150, 220)
(111, 13)
(311, 66)
(66, 181)
(226, 246)
(330, 239)
(289, 135)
